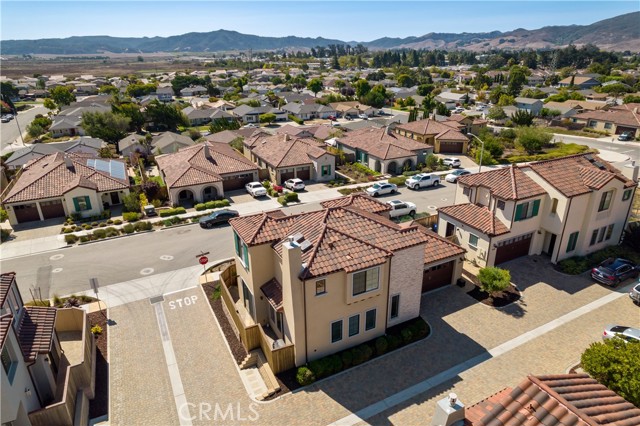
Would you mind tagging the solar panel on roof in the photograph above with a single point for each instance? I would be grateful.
(102, 165)
(117, 170)
(91, 163)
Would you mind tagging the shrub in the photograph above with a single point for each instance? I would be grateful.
(200, 206)
(411, 172)
(295, 119)
(100, 233)
(318, 368)
(367, 352)
(112, 232)
(406, 335)
(70, 239)
(67, 230)
(493, 280)
(3, 215)
(574, 265)
(131, 216)
(291, 196)
(102, 224)
(110, 222)
(128, 228)
(347, 359)
(393, 342)
(117, 222)
(94, 224)
(381, 345)
(357, 356)
(84, 239)
(282, 201)
(420, 328)
(96, 330)
(335, 363)
(398, 180)
(143, 226)
(217, 204)
(172, 212)
(304, 376)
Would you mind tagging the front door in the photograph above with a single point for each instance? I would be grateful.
(248, 298)
(552, 244)
(114, 198)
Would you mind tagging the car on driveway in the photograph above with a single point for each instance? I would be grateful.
(363, 116)
(422, 180)
(458, 110)
(255, 189)
(625, 136)
(634, 294)
(332, 118)
(452, 162)
(217, 217)
(381, 189)
(629, 334)
(613, 271)
(454, 175)
(401, 208)
(294, 184)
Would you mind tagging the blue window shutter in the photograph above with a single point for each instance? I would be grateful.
(245, 252)
(518, 212)
(75, 204)
(88, 201)
(235, 240)
(536, 207)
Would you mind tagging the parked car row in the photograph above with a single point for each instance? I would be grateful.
(6, 118)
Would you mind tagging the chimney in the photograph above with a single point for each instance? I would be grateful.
(449, 412)
(293, 298)
(287, 137)
(207, 152)
(68, 163)
(636, 168)
(635, 110)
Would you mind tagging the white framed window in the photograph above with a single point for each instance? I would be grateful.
(605, 201)
(354, 325)
(336, 331)
(473, 240)
(321, 287)
(365, 281)
(9, 362)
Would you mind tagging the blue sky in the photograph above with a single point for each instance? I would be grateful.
(344, 20)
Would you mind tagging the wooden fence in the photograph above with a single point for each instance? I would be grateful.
(427, 221)
(249, 335)
(280, 359)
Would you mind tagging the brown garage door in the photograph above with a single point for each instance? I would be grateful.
(51, 209)
(26, 213)
(304, 174)
(437, 276)
(286, 174)
(452, 147)
(513, 248)
(236, 182)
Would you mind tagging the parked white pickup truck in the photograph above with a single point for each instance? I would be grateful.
(401, 208)
(421, 180)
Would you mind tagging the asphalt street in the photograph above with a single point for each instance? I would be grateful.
(68, 270)
(630, 149)
(9, 131)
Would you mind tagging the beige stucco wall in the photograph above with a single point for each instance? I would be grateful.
(324, 160)
(261, 261)
(406, 280)
(197, 190)
(96, 203)
(480, 253)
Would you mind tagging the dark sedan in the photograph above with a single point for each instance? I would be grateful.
(614, 271)
(220, 216)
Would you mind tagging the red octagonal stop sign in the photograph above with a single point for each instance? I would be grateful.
(203, 260)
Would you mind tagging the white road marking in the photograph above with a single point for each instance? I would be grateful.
(56, 257)
(146, 271)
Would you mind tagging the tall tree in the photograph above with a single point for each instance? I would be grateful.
(107, 126)
(315, 85)
(62, 95)
(165, 116)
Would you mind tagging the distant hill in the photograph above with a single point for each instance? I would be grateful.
(618, 33)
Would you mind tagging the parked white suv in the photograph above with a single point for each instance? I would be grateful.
(294, 184)
(451, 162)
(422, 180)
(401, 208)
(255, 189)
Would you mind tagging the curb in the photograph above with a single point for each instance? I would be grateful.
(111, 238)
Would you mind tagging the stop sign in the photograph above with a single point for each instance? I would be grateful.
(203, 260)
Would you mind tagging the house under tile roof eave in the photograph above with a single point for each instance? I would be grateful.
(35, 331)
(506, 183)
(477, 217)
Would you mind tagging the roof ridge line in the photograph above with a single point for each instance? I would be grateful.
(575, 410)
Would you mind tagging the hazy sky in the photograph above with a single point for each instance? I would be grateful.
(344, 20)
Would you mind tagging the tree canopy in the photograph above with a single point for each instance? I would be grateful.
(532, 139)
(107, 126)
(315, 85)
(62, 95)
(166, 116)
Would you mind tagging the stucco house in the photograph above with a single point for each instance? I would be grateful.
(615, 120)
(83, 145)
(444, 137)
(60, 184)
(328, 280)
(534, 106)
(249, 114)
(352, 108)
(286, 157)
(68, 121)
(203, 172)
(565, 207)
(48, 355)
(168, 142)
(309, 111)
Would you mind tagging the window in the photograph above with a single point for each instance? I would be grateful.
(370, 320)
(605, 201)
(466, 191)
(626, 195)
(554, 205)
(473, 240)
(8, 363)
(321, 287)
(501, 204)
(601, 234)
(395, 306)
(592, 123)
(609, 232)
(82, 203)
(527, 210)
(325, 170)
(336, 331)
(365, 281)
(573, 239)
(607, 125)
(241, 250)
(594, 237)
(354, 325)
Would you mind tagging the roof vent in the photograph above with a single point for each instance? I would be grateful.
(306, 245)
(589, 157)
(449, 412)
(297, 237)
(599, 165)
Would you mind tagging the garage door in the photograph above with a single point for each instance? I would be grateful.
(304, 174)
(513, 248)
(451, 147)
(26, 213)
(51, 209)
(286, 174)
(437, 276)
(236, 182)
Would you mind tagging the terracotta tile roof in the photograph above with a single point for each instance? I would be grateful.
(6, 279)
(622, 116)
(49, 177)
(194, 166)
(508, 183)
(273, 292)
(438, 248)
(381, 143)
(36, 331)
(435, 128)
(5, 324)
(477, 217)
(283, 150)
(578, 174)
(362, 201)
(564, 399)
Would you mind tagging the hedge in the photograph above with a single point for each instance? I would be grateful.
(172, 212)
(212, 205)
(578, 264)
(398, 180)
(131, 216)
(295, 119)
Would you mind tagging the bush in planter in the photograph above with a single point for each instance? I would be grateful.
(318, 367)
(382, 345)
(398, 180)
(102, 224)
(407, 335)
(367, 351)
(100, 233)
(357, 356)
(131, 216)
(393, 342)
(143, 226)
(67, 230)
(70, 239)
(112, 232)
(128, 228)
(335, 363)
(94, 224)
(199, 207)
(110, 222)
(117, 222)
(347, 359)
(419, 329)
(282, 200)
(84, 239)
(291, 196)
(172, 212)
(304, 376)
(494, 280)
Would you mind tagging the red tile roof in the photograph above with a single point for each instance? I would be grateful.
(381, 143)
(36, 331)
(206, 162)
(283, 150)
(50, 176)
(273, 292)
(624, 115)
(564, 399)
(435, 128)
(508, 183)
(362, 201)
(477, 217)
(578, 174)
(438, 248)
(6, 280)
(5, 324)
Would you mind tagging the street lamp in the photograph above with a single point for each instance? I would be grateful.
(481, 152)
